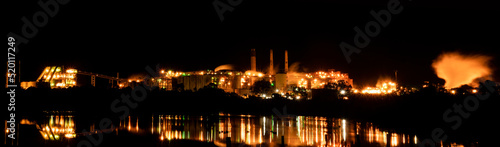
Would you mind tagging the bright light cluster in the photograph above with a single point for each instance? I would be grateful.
(302, 83)
(57, 78)
(171, 73)
(330, 74)
(59, 125)
(384, 88)
(320, 78)
(370, 90)
(254, 73)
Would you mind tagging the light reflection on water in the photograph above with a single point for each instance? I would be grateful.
(55, 126)
(59, 126)
(266, 130)
(245, 130)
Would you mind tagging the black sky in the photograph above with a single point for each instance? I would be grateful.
(124, 36)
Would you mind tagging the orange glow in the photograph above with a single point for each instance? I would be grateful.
(58, 78)
(71, 71)
(253, 131)
(254, 73)
(317, 80)
(382, 88)
(458, 69)
(394, 139)
(369, 90)
(59, 125)
(70, 135)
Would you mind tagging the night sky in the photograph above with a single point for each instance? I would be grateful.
(124, 36)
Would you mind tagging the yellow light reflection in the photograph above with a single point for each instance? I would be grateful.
(394, 139)
(58, 126)
(255, 131)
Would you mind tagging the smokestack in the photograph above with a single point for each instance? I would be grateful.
(286, 61)
(271, 66)
(253, 62)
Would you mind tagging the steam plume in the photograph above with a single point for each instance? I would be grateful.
(458, 69)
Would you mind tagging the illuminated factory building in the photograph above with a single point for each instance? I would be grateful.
(282, 82)
(60, 77)
(240, 82)
(56, 76)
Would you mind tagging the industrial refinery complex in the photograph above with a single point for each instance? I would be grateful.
(290, 84)
(265, 83)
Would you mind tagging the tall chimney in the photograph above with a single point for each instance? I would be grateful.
(253, 62)
(271, 66)
(286, 61)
